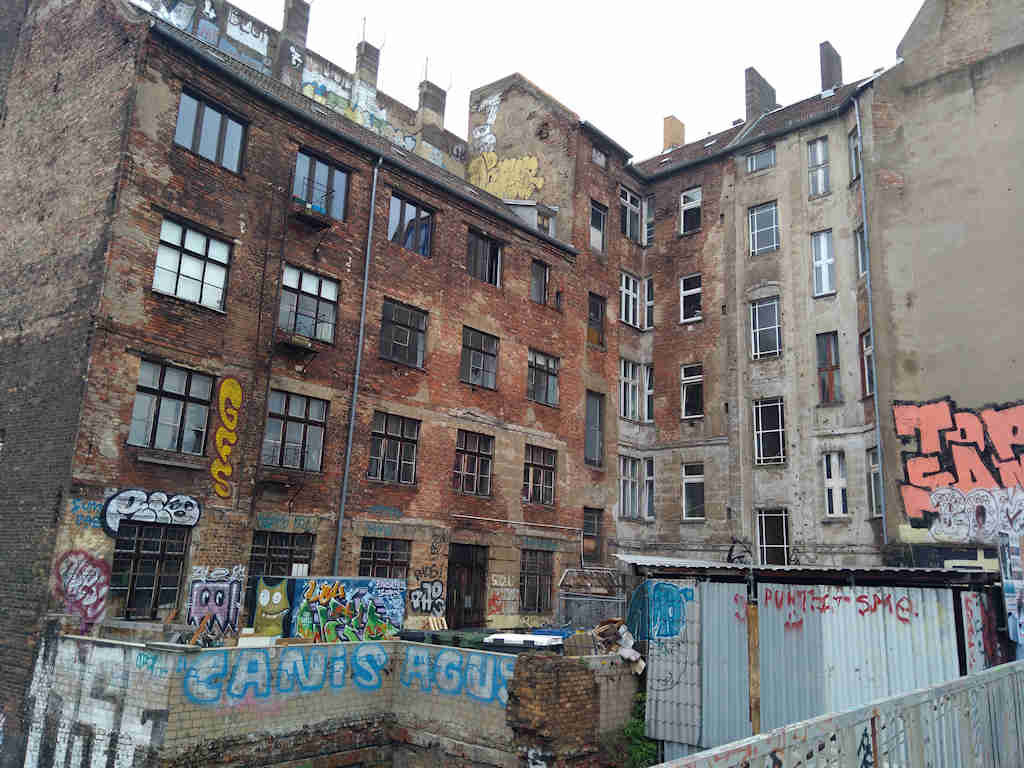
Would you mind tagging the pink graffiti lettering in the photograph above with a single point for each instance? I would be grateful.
(82, 582)
(802, 601)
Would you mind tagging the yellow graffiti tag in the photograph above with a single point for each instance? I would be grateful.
(229, 401)
(514, 178)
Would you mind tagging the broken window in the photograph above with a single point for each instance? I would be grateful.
(148, 565)
(598, 217)
(536, 572)
(410, 225)
(384, 558)
(539, 281)
(542, 378)
(479, 358)
(403, 333)
(593, 449)
(595, 319)
(171, 409)
(483, 259)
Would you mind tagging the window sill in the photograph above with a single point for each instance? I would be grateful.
(691, 320)
(826, 295)
(689, 232)
(831, 404)
(837, 520)
(763, 251)
(171, 296)
(770, 356)
(821, 196)
(271, 474)
(168, 458)
(595, 467)
(460, 494)
(692, 419)
(546, 405)
(395, 484)
(475, 387)
(598, 347)
(634, 327)
(410, 366)
(769, 464)
(693, 521)
(212, 163)
(538, 506)
(639, 520)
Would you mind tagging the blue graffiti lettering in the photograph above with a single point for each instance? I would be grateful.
(367, 662)
(307, 670)
(203, 682)
(479, 676)
(448, 672)
(251, 670)
(416, 667)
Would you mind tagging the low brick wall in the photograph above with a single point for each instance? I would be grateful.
(616, 687)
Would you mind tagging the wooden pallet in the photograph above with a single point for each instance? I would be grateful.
(437, 623)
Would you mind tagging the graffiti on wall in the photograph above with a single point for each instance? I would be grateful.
(87, 513)
(1012, 573)
(658, 610)
(229, 401)
(175, 12)
(510, 178)
(482, 677)
(82, 582)
(138, 506)
(273, 608)
(965, 479)
(483, 138)
(980, 639)
(247, 31)
(428, 597)
(798, 602)
(215, 596)
(266, 521)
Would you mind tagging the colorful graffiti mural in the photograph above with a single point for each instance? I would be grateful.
(81, 584)
(229, 403)
(965, 480)
(215, 595)
(510, 178)
(139, 506)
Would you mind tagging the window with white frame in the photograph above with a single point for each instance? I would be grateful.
(648, 493)
(693, 491)
(648, 302)
(191, 265)
(629, 487)
(689, 210)
(598, 219)
(692, 390)
(765, 328)
(764, 228)
(854, 144)
(690, 291)
(867, 373)
(862, 251)
(629, 397)
(817, 166)
(823, 262)
(761, 160)
(769, 431)
(309, 304)
(648, 409)
(874, 483)
(649, 220)
(630, 209)
(629, 300)
(833, 465)
(773, 535)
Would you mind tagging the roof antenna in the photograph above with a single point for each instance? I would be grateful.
(426, 64)
(364, 29)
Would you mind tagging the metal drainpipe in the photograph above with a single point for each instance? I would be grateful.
(359, 360)
(871, 315)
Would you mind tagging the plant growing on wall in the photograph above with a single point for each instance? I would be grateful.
(630, 748)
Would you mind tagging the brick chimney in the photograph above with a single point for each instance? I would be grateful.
(296, 21)
(760, 95)
(367, 61)
(674, 133)
(831, 67)
(431, 108)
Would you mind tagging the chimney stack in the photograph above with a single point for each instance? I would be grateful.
(831, 67)
(760, 95)
(431, 108)
(296, 21)
(367, 61)
(674, 133)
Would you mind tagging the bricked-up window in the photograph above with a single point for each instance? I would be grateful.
(593, 447)
(595, 319)
(874, 483)
(295, 431)
(817, 166)
(833, 465)
(773, 535)
(690, 294)
(479, 358)
(764, 228)
(769, 431)
(403, 333)
(629, 389)
(592, 549)
(829, 390)
(410, 225)
(598, 219)
(692, 390)
(693, 491)
(171, 410)
(309, 304)
(824, 263)
(539, 475)
(323, 186)
(191, 265)
(542, 378)
(474, 454)
(536, 574)
(867, 357)
(148, 565)
(765, 328)
(630, 296)
(629, 487)
(862, 251)
(210, 132)
(853, 142)
(384, 558)
(393, 447)
(630, 211)
(689, 210)
(649, 202)
(483, 258)
(761, 160)
(276, 555)
(539, 272)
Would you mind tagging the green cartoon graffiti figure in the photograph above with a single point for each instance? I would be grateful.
(271, 608)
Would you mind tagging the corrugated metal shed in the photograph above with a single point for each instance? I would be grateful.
(725, 700)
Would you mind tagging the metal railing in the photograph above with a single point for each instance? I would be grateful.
(975, 721)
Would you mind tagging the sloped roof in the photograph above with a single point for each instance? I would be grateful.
(689, 153)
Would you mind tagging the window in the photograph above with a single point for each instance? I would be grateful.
(692, 394)
(384, 558)
(824, 263)
(479, 358)
(689, 298)
(693, 491)
(148, 563)
(539, 282)
(829, 390)
(393, 444)
(276, 555)
(862, 251)
(817, 164)
(542, 378)
(592, 549)
(473, 456)
(761, 160)
(649, 302)
(536, 571)
(191, 265)
(629, 487)
(769, 431)
(629, 381)
(295, 431)
(854, 144)
(595, 319)
(410, 225)
(773, 530)
(834, 467)
(764, 228)
(648, 499)
(765, 328)
(171, 409)
(649, 220)
(689, 210)
(403, 333)
(867, 372)
(874, 483)
(483, 259)
(323, 187)
(539, 475)
(629, 300)
(593, 446)
(598, 216)
(630, 208)
(309, 304)
(648, 403)
(209, 132)
(599, 157)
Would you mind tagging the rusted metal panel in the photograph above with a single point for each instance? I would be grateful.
(725, 688)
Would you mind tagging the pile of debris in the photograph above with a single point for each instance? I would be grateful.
(613, 636)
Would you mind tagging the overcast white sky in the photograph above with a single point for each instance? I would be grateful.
(622, 66)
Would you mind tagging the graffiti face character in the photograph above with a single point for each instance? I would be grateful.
(217, 599)
(271, 607)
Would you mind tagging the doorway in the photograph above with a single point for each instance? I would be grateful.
(467, 585)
